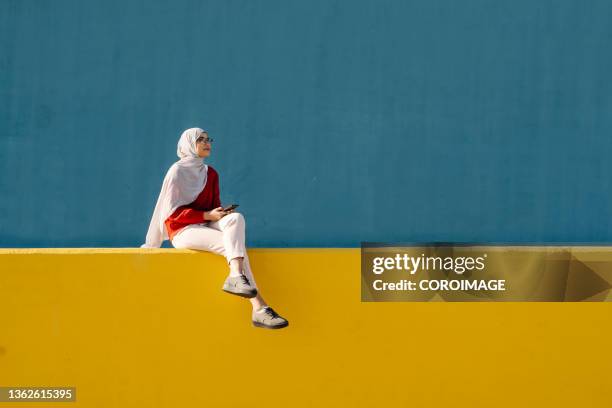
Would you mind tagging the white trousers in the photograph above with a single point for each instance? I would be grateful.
(224, 237)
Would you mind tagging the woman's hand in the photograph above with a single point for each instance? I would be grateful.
(215, 215)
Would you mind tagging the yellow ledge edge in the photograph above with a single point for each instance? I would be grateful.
(149, 251)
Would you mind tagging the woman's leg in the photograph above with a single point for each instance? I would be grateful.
(224, 238)
(200, 237)
(233, 227)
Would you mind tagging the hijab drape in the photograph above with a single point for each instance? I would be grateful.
(182, 184)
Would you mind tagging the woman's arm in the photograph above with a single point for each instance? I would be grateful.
(184, 215)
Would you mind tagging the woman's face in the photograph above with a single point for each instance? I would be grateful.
(203, 145)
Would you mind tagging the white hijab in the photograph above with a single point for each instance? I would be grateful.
(184, 181)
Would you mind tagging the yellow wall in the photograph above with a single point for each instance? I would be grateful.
(152, 328)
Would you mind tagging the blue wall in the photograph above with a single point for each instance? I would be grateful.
(334, 121)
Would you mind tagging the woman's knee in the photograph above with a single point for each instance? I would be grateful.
(233, 218)
(238, 216)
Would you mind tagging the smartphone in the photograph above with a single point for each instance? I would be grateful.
(231, 207)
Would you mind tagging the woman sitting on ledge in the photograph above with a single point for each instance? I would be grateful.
(189, 213)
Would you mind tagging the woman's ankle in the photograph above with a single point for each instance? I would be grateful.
(235, 272)
(258, 303)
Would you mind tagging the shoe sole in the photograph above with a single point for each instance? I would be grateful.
(244, 295)
(264, 326)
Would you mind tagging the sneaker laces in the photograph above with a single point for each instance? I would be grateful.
(270, 312)
(245, 280)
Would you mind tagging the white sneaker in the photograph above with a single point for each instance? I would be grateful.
(267, 318)
(239, 285)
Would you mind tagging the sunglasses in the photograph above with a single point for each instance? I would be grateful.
(204, 139)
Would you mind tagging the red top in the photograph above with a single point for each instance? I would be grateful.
(194, 213)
